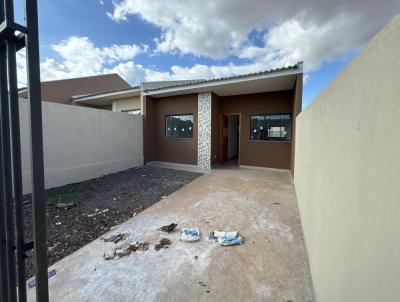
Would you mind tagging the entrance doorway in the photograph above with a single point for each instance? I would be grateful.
(230, 129)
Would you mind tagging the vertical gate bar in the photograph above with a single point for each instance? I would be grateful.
(17, 172)
(3, 248)
(16, 155)
(7, 169)
(8, 10)
(38, 200)
(8, 200)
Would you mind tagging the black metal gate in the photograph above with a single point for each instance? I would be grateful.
(14, 37)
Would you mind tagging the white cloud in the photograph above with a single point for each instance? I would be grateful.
(78, 56)
(300, 40)
(289, 31)
(310, 30)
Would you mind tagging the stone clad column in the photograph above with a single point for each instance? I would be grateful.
(204, 131)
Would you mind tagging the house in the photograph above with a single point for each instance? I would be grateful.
(64, 91)
(248, 120)
(121, 100)
(127, 100)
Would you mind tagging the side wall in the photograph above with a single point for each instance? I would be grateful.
(157, 147)
(81, 143)
(260, 153)
(347, 177)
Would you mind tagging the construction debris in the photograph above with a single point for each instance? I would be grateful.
(168, 228)
(163, 244)
(226, 238)
(97, 212)
(116, 237)
(190, 234)
(65, 206)
(137, 211)
(50, 249)
(109, 255)
(126, 249)
(139, 246)
(123, 251)
(32, 282)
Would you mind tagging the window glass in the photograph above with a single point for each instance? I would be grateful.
(179, 126)
(168, 126)
(133, 111)
(286, 123)
(276, 127)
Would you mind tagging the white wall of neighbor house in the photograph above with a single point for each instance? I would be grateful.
(347, 177)
(126, 104)
(82, 143)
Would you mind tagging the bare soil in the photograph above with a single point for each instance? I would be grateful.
(99, 204)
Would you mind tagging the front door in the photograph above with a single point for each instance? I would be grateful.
(224, 139)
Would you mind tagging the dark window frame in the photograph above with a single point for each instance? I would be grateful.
(272, 139)
(178, 115)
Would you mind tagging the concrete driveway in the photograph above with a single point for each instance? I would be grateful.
(271, 265)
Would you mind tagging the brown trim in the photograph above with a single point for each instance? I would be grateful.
(239, 127)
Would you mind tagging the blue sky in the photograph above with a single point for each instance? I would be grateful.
(160, 40)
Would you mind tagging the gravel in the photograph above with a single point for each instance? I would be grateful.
(96, 205)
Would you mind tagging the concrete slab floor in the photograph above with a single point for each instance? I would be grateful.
(271, 265)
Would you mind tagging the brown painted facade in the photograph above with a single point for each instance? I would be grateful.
(156, 146)
(271, 154)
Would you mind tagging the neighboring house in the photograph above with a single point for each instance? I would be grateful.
(121, 100)
(248, 119)
(63, 91)
(127, 100)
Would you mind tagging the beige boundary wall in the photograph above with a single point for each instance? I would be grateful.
(347, 177)
(82, 143)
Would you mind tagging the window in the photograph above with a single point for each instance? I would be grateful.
(133, 111)
(275, 127)
(179, 126)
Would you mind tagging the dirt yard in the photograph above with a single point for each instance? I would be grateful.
(92, 207)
